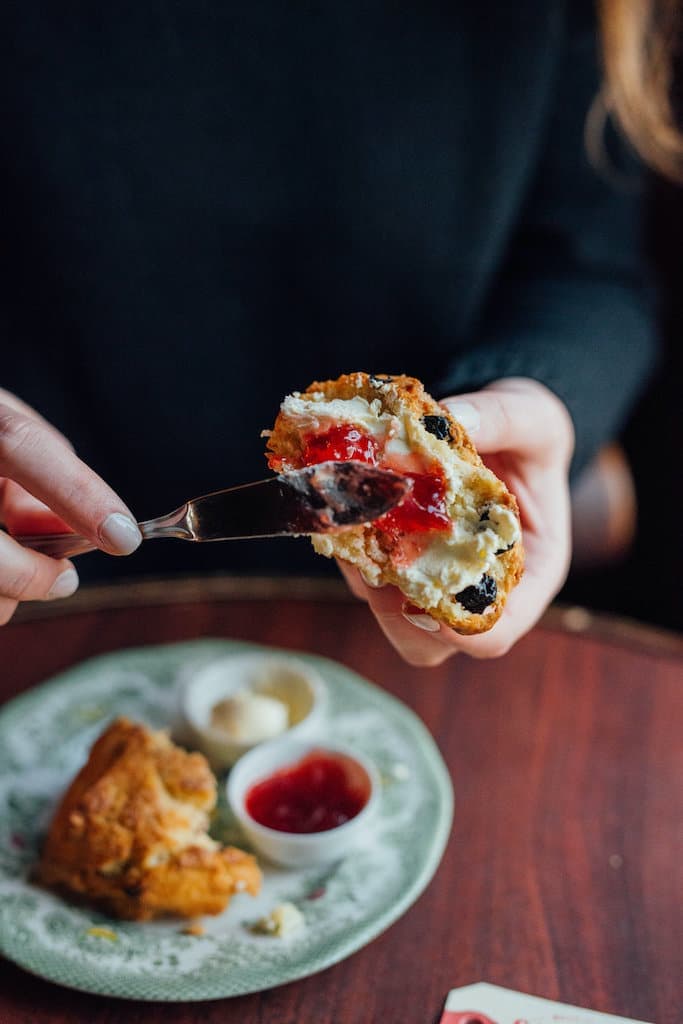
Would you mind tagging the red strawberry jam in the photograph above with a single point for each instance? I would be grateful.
(423, 511)
(321, 791)
(340, 444)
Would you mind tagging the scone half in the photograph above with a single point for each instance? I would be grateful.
(454, 545)
(130, 834)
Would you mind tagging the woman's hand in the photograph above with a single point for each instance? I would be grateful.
(525, 435)
(45, 488)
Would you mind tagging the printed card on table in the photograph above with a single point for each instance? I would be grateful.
(489, 1004)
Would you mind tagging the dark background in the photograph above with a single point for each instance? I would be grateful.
(647, 583)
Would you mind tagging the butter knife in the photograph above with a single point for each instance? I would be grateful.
(317, 499)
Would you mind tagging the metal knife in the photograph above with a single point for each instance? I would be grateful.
(317, 499)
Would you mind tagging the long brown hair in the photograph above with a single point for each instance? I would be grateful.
(639, 43)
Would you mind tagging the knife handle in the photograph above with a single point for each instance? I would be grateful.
(57, 545)
(68, 545)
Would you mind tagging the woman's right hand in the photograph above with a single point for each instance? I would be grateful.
(46, 488)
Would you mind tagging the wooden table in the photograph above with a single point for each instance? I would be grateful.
(564, 873)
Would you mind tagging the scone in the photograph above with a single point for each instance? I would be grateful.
(130, 833)
(453, 546)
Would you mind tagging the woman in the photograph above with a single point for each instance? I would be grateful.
(211, 206)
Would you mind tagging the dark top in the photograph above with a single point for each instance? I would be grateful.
(207, 205)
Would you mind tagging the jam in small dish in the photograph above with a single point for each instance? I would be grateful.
(323, 790)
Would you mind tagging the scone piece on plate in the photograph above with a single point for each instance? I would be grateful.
(130, 834)
(453, 546)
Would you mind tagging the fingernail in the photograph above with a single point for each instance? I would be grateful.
(422, 621)
(121, 533)
(65, 585)
(373, 584)
(466, 415)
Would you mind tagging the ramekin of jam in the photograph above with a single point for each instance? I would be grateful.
(302, 803)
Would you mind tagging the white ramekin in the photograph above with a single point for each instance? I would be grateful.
(289, 679)
(299, 849)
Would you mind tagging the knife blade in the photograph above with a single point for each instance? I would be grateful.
(316, 499)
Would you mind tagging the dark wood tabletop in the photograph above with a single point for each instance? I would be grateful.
(563, 876)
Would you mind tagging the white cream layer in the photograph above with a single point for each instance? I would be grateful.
(313, 412)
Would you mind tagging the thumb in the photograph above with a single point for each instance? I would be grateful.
(513, 415)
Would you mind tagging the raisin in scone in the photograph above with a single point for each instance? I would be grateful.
(453, 546)
(130, 833)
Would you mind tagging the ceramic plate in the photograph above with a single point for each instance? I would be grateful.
(44, 738)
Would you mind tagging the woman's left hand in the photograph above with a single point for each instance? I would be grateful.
(524, 433)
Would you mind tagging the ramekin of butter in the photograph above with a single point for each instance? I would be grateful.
(304, 802)
(240, 700)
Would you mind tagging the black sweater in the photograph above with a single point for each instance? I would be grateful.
(206, 205)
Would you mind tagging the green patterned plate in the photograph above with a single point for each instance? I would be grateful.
(44, 738)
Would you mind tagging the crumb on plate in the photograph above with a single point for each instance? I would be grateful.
(103, 933)
(283, 921)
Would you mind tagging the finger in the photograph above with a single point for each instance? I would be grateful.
(23, 514)
(508, 417)
(20, 512)
(26, 575)
(425, 647)
(354, 580)
(7, 398)
(7, 610)
(401, 631)
(404, 626)
(31, 455)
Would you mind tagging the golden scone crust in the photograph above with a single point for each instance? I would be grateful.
(369, 548)
(130, 833)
